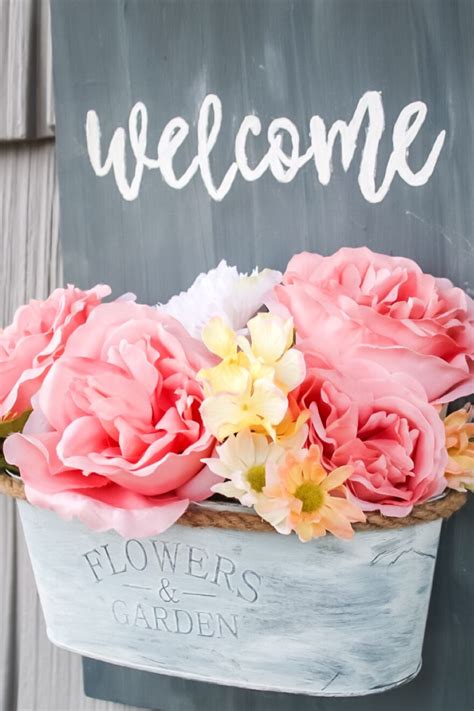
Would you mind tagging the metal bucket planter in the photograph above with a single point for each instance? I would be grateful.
(218, 600)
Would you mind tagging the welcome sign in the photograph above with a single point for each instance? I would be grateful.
(283, 166)
(189, 132)
(249, 130)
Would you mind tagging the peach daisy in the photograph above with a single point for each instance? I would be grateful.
(460, 445)
(301, 496)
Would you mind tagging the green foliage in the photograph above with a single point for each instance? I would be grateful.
(7, 427)
(15, 424)
(5, 467)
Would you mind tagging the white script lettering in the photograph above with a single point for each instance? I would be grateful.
(283, 165)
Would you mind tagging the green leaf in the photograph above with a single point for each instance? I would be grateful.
(6, 467)
(16, 424)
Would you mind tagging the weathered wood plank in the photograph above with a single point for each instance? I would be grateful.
(272, 59)
(7, 602)
(29, 266)
(29, 242)
(34, 675)
(26, 94)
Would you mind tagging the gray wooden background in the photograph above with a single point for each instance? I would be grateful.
(318, 57)
(34, 675)
(291, 58)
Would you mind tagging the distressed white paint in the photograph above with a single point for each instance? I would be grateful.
(283, 166)
(257, 610)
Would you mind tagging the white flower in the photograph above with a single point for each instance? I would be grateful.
(222, 292)
(242, 461)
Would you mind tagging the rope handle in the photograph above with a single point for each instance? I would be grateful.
(205, 516)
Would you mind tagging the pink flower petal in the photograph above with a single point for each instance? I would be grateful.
(99, 516)
(200, 486)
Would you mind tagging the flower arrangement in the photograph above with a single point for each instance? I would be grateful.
(313, 397)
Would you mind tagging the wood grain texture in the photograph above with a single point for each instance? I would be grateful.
(26, 87)
(8, 592)
(34, 675)
(29, 259)
(269, 58)
(29, 266)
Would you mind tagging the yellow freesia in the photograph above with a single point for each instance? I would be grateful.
(260, 406)
(231, 374)
(268, 355)
(248, 389)
(220, 339)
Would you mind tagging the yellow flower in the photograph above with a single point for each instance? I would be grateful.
(460, 446)
(270, 353)
(259, 405)
(301, 496)
(292, 431)
(249, 387)
(231, 374)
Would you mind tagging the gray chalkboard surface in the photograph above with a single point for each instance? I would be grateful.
(194, 130)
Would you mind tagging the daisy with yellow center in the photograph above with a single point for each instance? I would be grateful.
(248, 388)
(301, 496)
(460, 445)
(242, 462)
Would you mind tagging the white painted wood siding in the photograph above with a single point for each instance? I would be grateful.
(26, 87)
(34, 675)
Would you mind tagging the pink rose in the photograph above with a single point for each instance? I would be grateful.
(356, 301)
(383, 426)
(36, 338)
(115, 437)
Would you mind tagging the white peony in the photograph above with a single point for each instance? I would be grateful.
(222, 292)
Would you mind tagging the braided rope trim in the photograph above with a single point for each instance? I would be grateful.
(206, 516)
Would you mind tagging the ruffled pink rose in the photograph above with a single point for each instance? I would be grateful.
(36, 338)
(115, 437)
(356, 301)
(382, 425)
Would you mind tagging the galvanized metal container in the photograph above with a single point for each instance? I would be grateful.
(248, 609)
